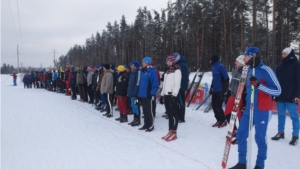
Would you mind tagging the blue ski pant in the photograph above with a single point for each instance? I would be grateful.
(260, 120)
(293, 110)
(134, 106)
(103, 99)
(15, 82)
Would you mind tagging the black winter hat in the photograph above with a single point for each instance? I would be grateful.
(107, 66)
(215, 58)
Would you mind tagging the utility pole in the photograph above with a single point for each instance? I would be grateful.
(54, 59)
(18, 58)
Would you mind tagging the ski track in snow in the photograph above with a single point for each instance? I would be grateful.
(46, 130)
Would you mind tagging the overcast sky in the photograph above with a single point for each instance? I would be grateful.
(58, 24)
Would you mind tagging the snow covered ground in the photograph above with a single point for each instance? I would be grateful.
(45, 130)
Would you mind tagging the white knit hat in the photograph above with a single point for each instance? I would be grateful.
(287, 50)
(240, 59)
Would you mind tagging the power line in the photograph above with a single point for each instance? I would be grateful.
(12, 19)
(19, 22)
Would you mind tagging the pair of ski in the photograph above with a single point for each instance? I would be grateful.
(230, 132)
(196, 86)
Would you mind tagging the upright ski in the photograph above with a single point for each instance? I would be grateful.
(189, 89)
(234, 112)
(196, 88)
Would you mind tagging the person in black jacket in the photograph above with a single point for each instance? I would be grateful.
(73, 84)
(121, 92)
(288, 76)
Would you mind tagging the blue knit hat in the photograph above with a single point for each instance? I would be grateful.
(147, 60)
(252, 51)
(135, 64)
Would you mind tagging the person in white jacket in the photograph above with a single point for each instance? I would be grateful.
(170, 89)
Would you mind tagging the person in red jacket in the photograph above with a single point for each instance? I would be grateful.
(14, 78)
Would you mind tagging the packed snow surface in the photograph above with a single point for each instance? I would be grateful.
(46, 130)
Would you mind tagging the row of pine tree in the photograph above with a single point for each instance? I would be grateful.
(196, 29)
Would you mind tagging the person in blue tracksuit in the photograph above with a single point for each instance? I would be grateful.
(288, 76)
(73, 83)
(54, 79)
(182, 62)
(265, 85)
(218, 88)
(132, 91)
(147, 92)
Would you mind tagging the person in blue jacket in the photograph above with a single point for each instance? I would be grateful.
(54, 79)
(147, 92)
(132, 92)
(265, 85)
(182, 62)
(288, 76)
(218, 89)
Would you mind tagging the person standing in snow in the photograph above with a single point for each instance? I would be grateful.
(218, 88)
(90, 86)
(170, 90)
(79, 83)
(288, 76)
(265, 85)
(233, 87)
(182, 62)
(107, 89)
(147, 92)
(102, 106)
(73, 83)
(54, 79)
(14, 78)
(121, 92)
(132, 91)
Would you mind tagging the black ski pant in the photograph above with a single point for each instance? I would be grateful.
(79, 86)
(147, 110)
(91, 93)
(171, 105)
(108, 99)
(154, 107)
(216, 102)
(85, 92)
(181, 107)
(73, 88)
(128, 104)
(54, 82)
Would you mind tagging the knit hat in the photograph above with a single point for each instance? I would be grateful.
(147, 60)
(240, 59)
(171, 58)
(107, 66)
(287, 50)
(177, 57)
(97, 66)
(215, 58)
(135, 64)
(252, 51)
(121, 68)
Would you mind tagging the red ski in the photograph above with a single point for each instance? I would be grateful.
(234, 115)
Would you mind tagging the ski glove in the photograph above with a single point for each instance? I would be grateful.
(254, 81)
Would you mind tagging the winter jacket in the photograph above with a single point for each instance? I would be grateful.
(54, 76)
(122, 84)
(95, 78)
(288, 76)
(269, 86)
(79, 77)
(220, 80)
(100, 77)
(14, 76)
(148, 83)
(133, 84)
(44, 77)
(90, 76)
(182, 62)
(235, 81)
(74, 77)
(172, 80)
(107, 82)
